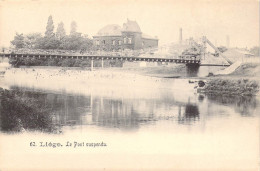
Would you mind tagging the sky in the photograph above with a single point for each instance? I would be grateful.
(239, 19)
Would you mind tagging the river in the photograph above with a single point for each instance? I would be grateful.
(147, 123)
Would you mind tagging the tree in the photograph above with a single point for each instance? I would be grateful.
(86, 43)
(32, 39)
(255, 51)
(18, 41)
(49, 28)
(77, 42)
(73, 28)
(61, 33)
(49, 41)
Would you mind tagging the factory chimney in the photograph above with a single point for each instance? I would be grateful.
(180, 38)
(228, 41)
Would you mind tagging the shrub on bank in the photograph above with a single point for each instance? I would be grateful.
(233, 87)
(19, 112)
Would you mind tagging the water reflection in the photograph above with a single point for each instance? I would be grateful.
(115, 113)
(49, 112)
(244, 105)
(191, 114)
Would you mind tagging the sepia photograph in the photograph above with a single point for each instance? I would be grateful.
(129, 85)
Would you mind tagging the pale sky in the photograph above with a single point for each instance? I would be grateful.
(216, 18)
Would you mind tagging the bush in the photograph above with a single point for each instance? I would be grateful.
(19, 112)
(67, 63)
(52, 62)
(239, 87)
(85, 63)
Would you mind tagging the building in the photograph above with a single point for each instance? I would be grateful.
(115, 38)
(235, 54)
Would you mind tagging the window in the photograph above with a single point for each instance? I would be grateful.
(119, 42)
(130, 40)
(125, 40)
(113, 42)
(97, 42)
(104, 42)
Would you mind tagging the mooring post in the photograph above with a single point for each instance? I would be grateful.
(92, 64)
(102, 62)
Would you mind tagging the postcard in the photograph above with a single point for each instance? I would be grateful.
(129, 85)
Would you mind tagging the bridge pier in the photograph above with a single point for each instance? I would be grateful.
(192, 69)
(102, 63)
(92, 65)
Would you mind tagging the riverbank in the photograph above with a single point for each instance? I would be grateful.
(173, 71)
(115, 76)
(106, 82)
(244, 80)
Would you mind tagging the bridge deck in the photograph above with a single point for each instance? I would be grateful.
(103, 57)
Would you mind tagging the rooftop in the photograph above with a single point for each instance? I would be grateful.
(131, 26)
(145, 36)
(116, 30)
(110, 30)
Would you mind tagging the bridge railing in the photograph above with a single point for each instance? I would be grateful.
(73, 52)
(127, 52)
(123, 55)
